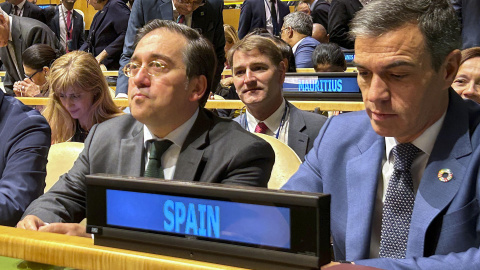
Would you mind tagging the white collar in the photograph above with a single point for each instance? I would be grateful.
(424, 142)
(296, 45)
(272, 122)
(177, 136)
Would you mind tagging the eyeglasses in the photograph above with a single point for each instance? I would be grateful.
(153, 68)
(31, 76)
(193, 3)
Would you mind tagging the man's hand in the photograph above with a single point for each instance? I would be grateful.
(30, 222)
(74, 229)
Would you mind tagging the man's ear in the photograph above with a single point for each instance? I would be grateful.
(282, 69)
(199, 87)
(450, 67)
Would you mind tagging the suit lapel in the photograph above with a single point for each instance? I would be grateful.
(297, 140)
(165, 8)
(26, 10)
(199, 20)
(433, 195)
(361, 193)
(17, 40)
(56, 21)
(131, 153)
(193, 148)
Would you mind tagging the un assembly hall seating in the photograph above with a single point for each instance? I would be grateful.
(22, 249)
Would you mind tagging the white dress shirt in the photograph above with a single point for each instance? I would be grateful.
(268, 15)
(277, 123)
(424, 142)
(177, 136)
(62, 14)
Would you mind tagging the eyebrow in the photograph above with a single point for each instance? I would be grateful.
(155, 56)
(398, 63)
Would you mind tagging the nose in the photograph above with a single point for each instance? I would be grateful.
(142, 78)
(249, 78)
(377, 90)
(470, 89)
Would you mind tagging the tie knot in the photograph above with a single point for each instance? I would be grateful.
(261, 128)
(158, 148)
(404, 154)
(69, 12)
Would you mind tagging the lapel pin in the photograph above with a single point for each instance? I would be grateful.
(202, 13)
(445, 175)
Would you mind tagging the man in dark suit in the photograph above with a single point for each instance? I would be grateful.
(71, 31)
(319, 11)
(167, 91)
(404, 174)
(339, 17)
(24, 9)
(297, 32)
(258, 78)
(205, 16)
(258, 14)
(16, 38)
(468, 13)
(25, 142)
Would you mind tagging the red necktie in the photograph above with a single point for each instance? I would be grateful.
(69, 27)
(261, 128)
(181, 19)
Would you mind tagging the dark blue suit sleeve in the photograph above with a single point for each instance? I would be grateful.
(119, 14)
(26, 144)
(135, 22)
(245, 20)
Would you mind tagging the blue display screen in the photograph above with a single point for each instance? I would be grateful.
(315, 84)
(230, 221)
(349, 57)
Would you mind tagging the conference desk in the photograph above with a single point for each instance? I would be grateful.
(81, 253)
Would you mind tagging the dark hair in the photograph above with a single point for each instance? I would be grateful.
(286, 50)
(38, 56)
(199, 56)
(329, 54)
(436, 19)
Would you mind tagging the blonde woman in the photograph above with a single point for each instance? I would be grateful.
(79, 97)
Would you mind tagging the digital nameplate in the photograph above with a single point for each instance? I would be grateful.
(349, 57)
(221, 220)
(315, 84)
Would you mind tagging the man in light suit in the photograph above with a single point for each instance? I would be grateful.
(258, 74)
(258, 14)
(167, 92)
(24, 9)
(58, 24)
(16, 35)
(25, 142)
(297, 32)
(407, 56)
(205, 16)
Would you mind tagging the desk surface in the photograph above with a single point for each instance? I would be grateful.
(81, 253)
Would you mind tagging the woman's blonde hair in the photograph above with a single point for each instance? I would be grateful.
(231, 35)
(78, 71)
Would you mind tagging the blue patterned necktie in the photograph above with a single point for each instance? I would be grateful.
(154, 166)
(398, 205)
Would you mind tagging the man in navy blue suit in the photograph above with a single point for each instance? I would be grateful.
(297, 32)
(425, 214)
(258, 14)
(67, 24)
(25, 137)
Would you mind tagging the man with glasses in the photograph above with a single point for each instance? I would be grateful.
(297, 32)
(205, 16)
(167, 135)
(16, 35)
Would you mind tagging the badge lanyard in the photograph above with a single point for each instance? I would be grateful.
(282, 121)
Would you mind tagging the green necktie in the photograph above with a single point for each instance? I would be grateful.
(154, 166)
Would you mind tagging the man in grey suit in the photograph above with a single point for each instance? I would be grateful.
(16, 35)
(258, 74)
(171, 73)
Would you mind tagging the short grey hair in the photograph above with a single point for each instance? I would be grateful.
(199, 56)
(436, 19)
(300, 22)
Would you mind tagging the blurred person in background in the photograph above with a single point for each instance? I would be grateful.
(79, 97)
(37, 60)
(467, 81)
(107, 32)
(328, 57)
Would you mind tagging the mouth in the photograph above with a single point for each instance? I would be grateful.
(251, 90)
(381, 116)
